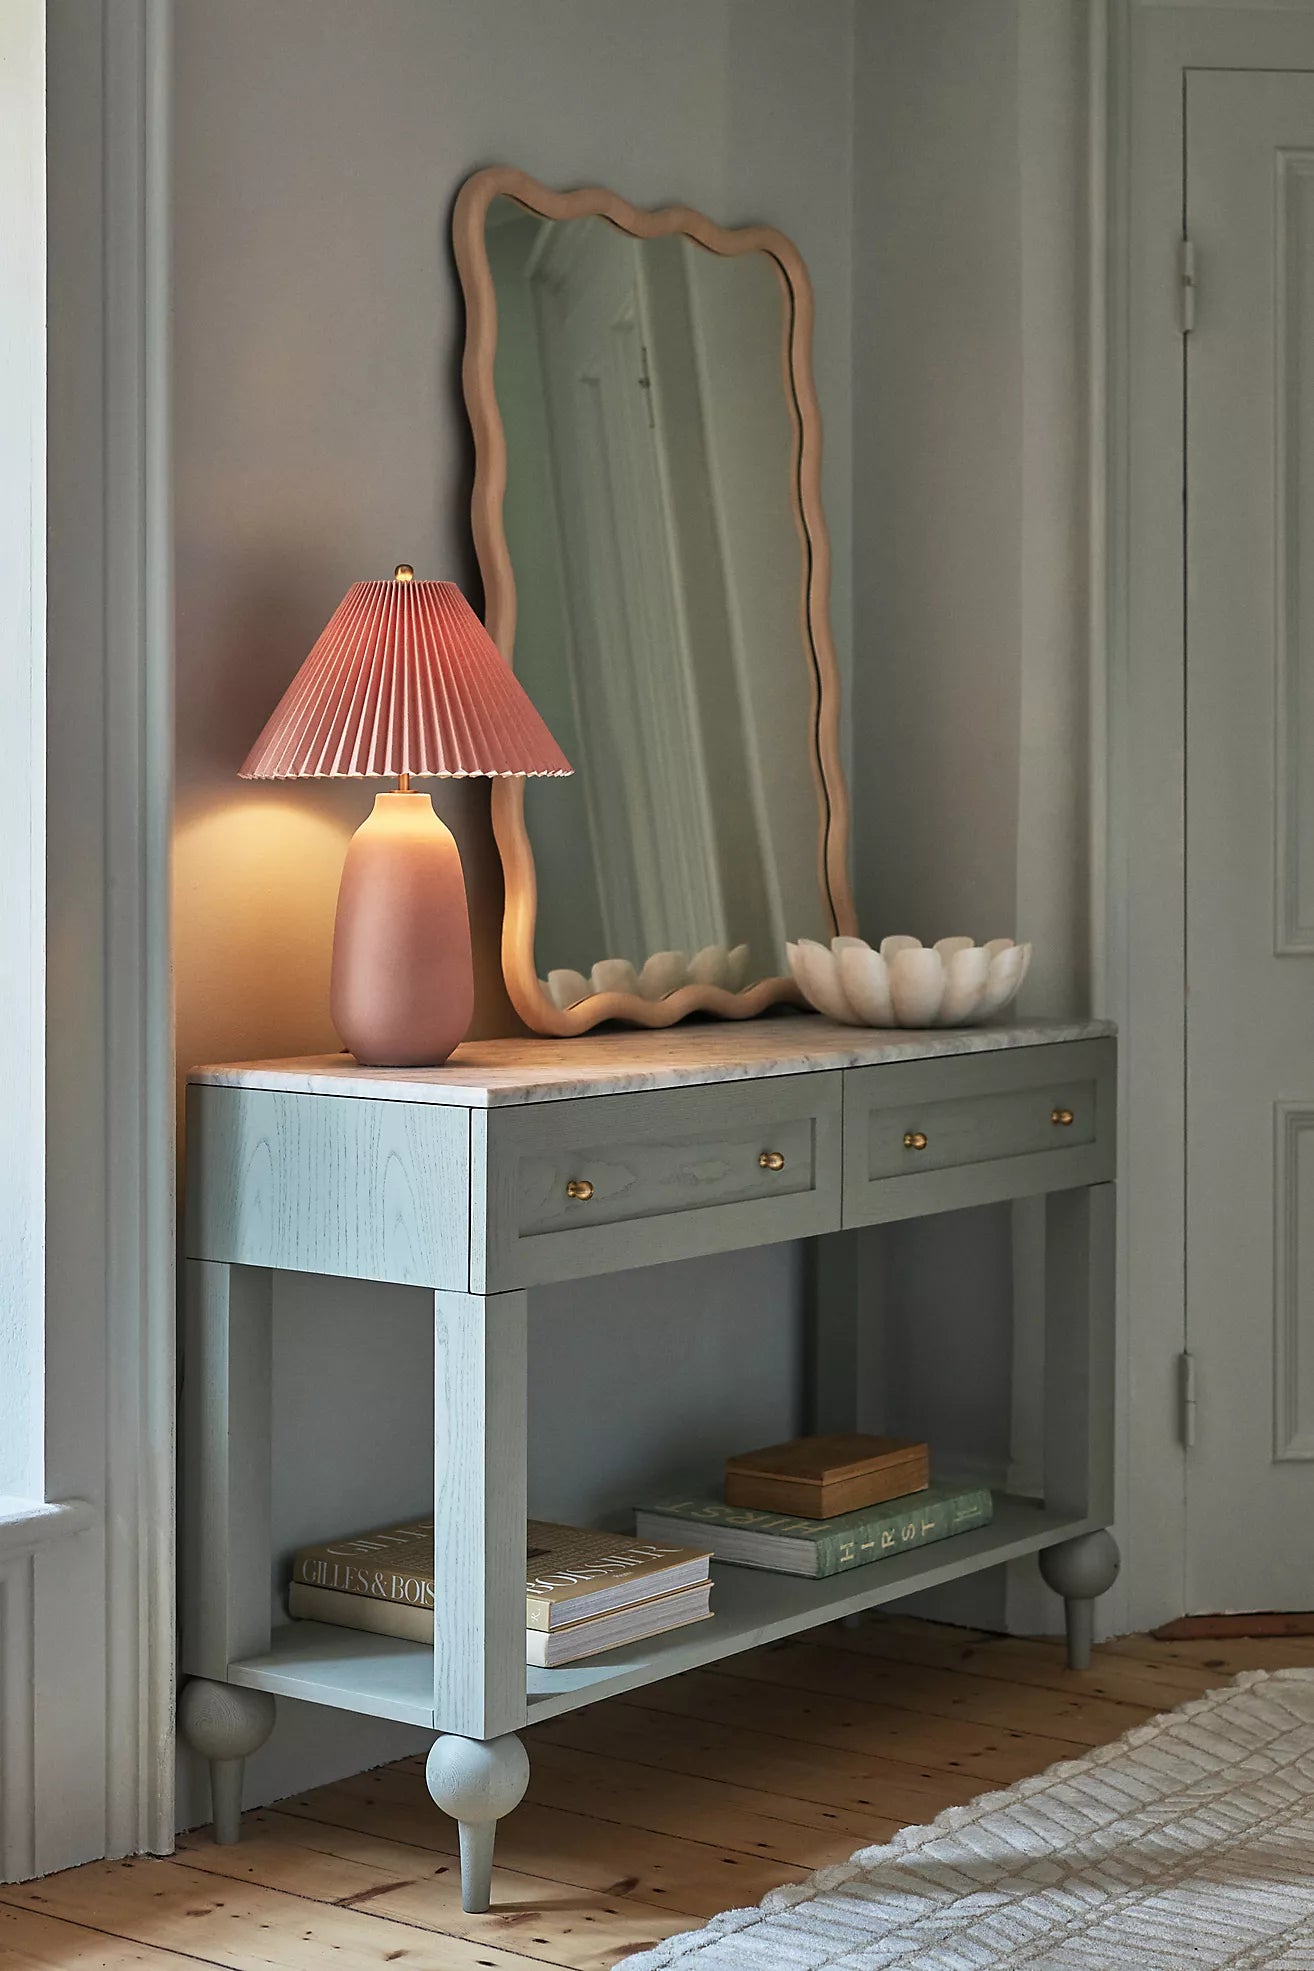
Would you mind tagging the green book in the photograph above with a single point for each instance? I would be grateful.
(818, 1547)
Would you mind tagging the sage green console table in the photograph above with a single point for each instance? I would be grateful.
(522, 1162)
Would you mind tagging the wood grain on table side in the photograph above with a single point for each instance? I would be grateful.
(671, 1815)
(357, 1189)
(493, 1073)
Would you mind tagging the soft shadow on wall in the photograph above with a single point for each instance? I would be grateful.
(319, 437)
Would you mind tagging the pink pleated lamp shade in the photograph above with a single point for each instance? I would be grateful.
(404, 679)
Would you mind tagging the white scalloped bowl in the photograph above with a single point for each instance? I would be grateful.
(953, 983)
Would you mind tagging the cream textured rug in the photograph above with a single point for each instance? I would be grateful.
(1190, 1842)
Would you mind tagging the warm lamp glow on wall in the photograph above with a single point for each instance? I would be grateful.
(404, 680)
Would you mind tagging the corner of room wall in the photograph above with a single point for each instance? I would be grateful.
(971, 501)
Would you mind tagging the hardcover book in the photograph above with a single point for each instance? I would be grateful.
(544, 1648)
(574, 1573)
(571, 1572)
(821, 1477)
(790, 1544)
(394, 1563)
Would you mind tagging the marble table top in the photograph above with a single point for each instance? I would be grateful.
(494, 1073)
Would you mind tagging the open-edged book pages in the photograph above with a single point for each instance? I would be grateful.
(575, 1573)
(544, 1648)
(572, 1573)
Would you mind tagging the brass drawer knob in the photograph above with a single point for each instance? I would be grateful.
(914, 1140)
(1063, 1118)
(580, 1189)
(771, 1160)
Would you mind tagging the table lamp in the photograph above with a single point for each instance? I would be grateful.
(404, 680)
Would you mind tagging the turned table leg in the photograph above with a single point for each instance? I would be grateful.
(1081, 1570)
(225, 1724)
(477, 1782)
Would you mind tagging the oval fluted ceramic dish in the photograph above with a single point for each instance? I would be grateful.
(665, 972)
(954, 983)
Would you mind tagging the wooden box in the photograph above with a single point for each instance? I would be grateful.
(818, 1477)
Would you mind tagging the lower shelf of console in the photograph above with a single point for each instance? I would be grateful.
(381, 1677)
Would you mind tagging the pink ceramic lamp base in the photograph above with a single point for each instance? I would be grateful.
(402, 992)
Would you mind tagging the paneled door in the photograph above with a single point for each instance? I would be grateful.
(1249, 680)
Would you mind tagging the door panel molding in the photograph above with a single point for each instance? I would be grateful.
(1293, 1283)
(1293, 819)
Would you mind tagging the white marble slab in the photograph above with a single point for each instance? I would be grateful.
(493, 1073)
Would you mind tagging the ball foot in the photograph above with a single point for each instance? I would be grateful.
(477, 1782)
(1081, 1570)
(225, 1724)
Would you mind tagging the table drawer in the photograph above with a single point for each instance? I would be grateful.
(592, 1186)
(934, 1135)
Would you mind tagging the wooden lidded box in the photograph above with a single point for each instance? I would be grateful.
(818, 1477)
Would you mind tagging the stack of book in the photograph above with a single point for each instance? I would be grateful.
(584, 1591)
(819, 1505)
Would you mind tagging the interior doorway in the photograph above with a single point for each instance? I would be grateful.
(1248, 354)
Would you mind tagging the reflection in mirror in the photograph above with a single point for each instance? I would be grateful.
(661, 566)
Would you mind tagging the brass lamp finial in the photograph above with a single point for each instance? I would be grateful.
(403, 572)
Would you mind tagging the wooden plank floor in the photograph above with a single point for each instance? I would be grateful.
(645, 1815)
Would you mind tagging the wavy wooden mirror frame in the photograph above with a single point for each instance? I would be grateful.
(508, 796)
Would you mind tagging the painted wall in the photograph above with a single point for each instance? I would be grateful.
(969, 382)
(320, 437)
(969, 710)
(928, 159)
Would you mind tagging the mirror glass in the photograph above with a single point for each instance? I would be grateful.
(661, 566)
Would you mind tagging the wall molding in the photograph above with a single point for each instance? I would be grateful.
(86, 1532)
(140, 1094)
(1140, 903)
(1065, 54)
(26, 1524)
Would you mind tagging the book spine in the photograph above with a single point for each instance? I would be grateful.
(362, 1612)
(910, 1527)
(375, 1583)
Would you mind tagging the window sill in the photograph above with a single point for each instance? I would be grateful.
(26, 1524)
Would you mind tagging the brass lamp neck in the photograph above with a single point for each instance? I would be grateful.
(403, 783)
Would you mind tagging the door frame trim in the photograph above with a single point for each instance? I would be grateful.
(1138, 697)
(139, 1057)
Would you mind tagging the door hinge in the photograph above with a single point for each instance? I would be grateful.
(1186, 271)
(1186, 1398)
(645, 384)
